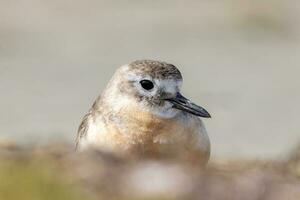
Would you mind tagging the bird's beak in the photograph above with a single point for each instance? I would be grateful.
(181, 103)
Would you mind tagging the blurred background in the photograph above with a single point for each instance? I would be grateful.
(240, 60)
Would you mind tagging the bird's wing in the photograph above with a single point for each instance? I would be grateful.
(83, 128)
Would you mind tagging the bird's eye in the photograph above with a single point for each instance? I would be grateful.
(147, 85)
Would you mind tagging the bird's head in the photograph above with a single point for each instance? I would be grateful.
(153, 86)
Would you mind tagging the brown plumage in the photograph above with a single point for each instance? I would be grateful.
(133, 120)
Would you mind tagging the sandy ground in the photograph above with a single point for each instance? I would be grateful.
(56, 172)
(240, 61)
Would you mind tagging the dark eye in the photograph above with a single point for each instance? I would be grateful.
(147, 85)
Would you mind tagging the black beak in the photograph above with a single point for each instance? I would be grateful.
(181, 103)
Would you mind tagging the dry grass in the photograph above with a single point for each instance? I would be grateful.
(56, 172)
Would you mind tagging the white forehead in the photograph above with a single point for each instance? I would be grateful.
(169, 85)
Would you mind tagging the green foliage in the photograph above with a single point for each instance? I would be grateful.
(26, 181)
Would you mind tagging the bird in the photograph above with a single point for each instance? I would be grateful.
(142, 113)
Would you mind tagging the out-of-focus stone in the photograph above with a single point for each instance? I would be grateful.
(152, 179)
(6, 144)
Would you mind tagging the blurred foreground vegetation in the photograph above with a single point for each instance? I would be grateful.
(23, 178)
(56, 172)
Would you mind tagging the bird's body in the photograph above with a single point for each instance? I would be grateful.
(141, 113)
